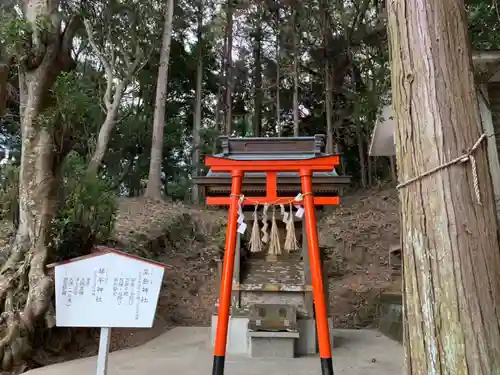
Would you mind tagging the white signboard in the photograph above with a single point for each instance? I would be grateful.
(107, 290)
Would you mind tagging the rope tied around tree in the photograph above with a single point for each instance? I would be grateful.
(468, 156)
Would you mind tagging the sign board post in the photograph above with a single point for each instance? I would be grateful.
(102, 354)
(107, 289)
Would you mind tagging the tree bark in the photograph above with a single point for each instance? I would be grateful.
(220, 109)
(369, 170)
(153, 188)
(218, 119)
(295, 75)
(452, 262)
(361, 155)
(278, 73)
(197, 109)
(327, 78)
(257, 52)
(106, 127)
(392, 166)
(229, 69)
(39, 178)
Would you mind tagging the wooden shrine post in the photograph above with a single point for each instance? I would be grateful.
(305, 168)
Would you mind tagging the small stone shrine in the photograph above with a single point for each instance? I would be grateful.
(272, 311)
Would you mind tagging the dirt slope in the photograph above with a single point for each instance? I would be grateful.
(356, 235)
(186, 238)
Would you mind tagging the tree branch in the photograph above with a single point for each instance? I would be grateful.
(136, 63)
(108, 66)
(74, 24)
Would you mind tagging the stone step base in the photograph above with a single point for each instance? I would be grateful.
(272, 344)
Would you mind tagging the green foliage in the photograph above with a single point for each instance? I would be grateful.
(9, 193)
(75, 109)
(122, 31)
(484, 24)
(131, 29)
(87, 212)
(14, 33)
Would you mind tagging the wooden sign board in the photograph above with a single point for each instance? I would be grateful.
(107, 289)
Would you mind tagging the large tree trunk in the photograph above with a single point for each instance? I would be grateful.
(229, 69)
(257, 54)
(327, 78)
(278, 73)
(153, 188)
(295, 74)
(38, 181)
(220, 111)
(197, 109)
(219, 116)
(218, 119)
(450, 243)
(328, 109)
(23, 265)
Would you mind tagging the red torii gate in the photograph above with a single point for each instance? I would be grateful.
(305, 168)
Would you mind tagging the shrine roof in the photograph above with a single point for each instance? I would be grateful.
(272, 149)
(271, 156)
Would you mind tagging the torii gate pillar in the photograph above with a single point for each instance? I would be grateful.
(305, 168)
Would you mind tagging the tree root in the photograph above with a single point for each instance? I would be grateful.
(15, 344)
(26, 292)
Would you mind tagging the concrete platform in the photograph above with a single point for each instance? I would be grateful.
(185, 351)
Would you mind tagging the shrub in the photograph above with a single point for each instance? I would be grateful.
(86, 214)
(86, 207)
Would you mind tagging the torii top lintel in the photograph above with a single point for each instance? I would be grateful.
(319, 164)
(271, 164)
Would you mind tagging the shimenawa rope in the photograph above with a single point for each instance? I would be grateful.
(468, 156)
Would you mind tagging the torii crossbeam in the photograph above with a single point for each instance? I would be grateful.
(305, 168)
